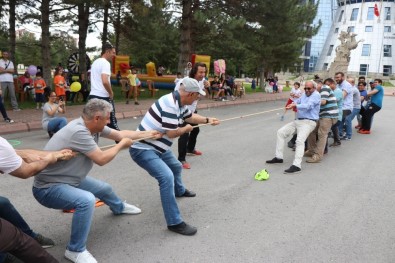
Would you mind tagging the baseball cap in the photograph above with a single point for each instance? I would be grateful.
(371, 82)
(192, 85)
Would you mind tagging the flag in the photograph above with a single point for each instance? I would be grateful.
(376, 10)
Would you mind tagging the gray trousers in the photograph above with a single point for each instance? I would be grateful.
(11, 92)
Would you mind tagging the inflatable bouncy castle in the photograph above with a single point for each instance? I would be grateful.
(120, 63)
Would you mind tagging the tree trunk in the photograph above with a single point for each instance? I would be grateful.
(83, 22)
(45, 41)
(117, 28)
(104, 38)
(11, 20)
(185, 35)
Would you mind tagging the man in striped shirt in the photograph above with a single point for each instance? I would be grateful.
(328, 117)
(167, 116)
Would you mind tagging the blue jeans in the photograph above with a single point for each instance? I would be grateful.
(82, 199)
(166, 169)
(347, 122)
(56, 123)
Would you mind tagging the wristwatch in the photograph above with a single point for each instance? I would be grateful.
(207, 120)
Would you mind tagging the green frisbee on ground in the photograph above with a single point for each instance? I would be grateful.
(262, 175)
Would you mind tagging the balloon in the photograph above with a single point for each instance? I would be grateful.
(75, 86)
(32, 70)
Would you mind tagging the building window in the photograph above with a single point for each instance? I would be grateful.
(336, 30)
(387, 70)
(387, 51)
(387, 29)
(365, 50)
(363, 69)
(368, 29)
(330, 50)
(354, 14)
(350, 29)
(370, 13)
(341, 16)
(325, 67)
(387, 13)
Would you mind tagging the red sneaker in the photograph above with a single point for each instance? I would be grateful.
(195, 152)
(364, 132)
(186, 165)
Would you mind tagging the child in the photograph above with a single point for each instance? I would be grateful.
(179, 77)
(296, 92)
(39, 86)
(133, 86)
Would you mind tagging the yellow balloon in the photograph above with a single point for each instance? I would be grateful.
(75, 86)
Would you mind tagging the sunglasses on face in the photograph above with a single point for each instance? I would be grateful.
(307, 88)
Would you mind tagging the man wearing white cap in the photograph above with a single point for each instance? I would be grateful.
(155, 156)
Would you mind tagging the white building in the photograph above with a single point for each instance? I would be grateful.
(372, 56)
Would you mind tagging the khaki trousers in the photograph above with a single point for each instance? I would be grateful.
(317, 139)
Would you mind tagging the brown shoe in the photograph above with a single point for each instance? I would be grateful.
(314, 159)
(308, 153)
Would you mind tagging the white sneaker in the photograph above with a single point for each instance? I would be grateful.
(80, 257)
(130, 209)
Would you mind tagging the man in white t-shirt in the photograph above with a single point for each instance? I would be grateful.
(24, 164)
(7, 79)
(101, 81)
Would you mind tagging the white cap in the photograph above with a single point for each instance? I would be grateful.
(192, 85)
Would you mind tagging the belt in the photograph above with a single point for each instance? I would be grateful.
(306, 119)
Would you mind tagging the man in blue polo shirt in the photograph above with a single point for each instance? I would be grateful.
(308, 106)
(167, 116)
(376, 103)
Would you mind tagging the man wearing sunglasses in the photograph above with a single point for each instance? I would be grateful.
(308, 106)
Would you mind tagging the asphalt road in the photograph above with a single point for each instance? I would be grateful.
(340, 210)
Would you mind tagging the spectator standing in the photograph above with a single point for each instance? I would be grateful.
(60, 84)
(188, 69)
(3, 110)
(7, 79)
(101, 83)
(50, 121)
(39, 86)
(132, 77)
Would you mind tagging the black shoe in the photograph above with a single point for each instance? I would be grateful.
(45, 242)
(183, 229)
(293, 170)
(50, 134)
(188, 193)
(335, 144)
(275, 160)
(136, 103)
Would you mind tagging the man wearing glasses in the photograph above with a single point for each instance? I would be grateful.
(167, 116)
(308, 106)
